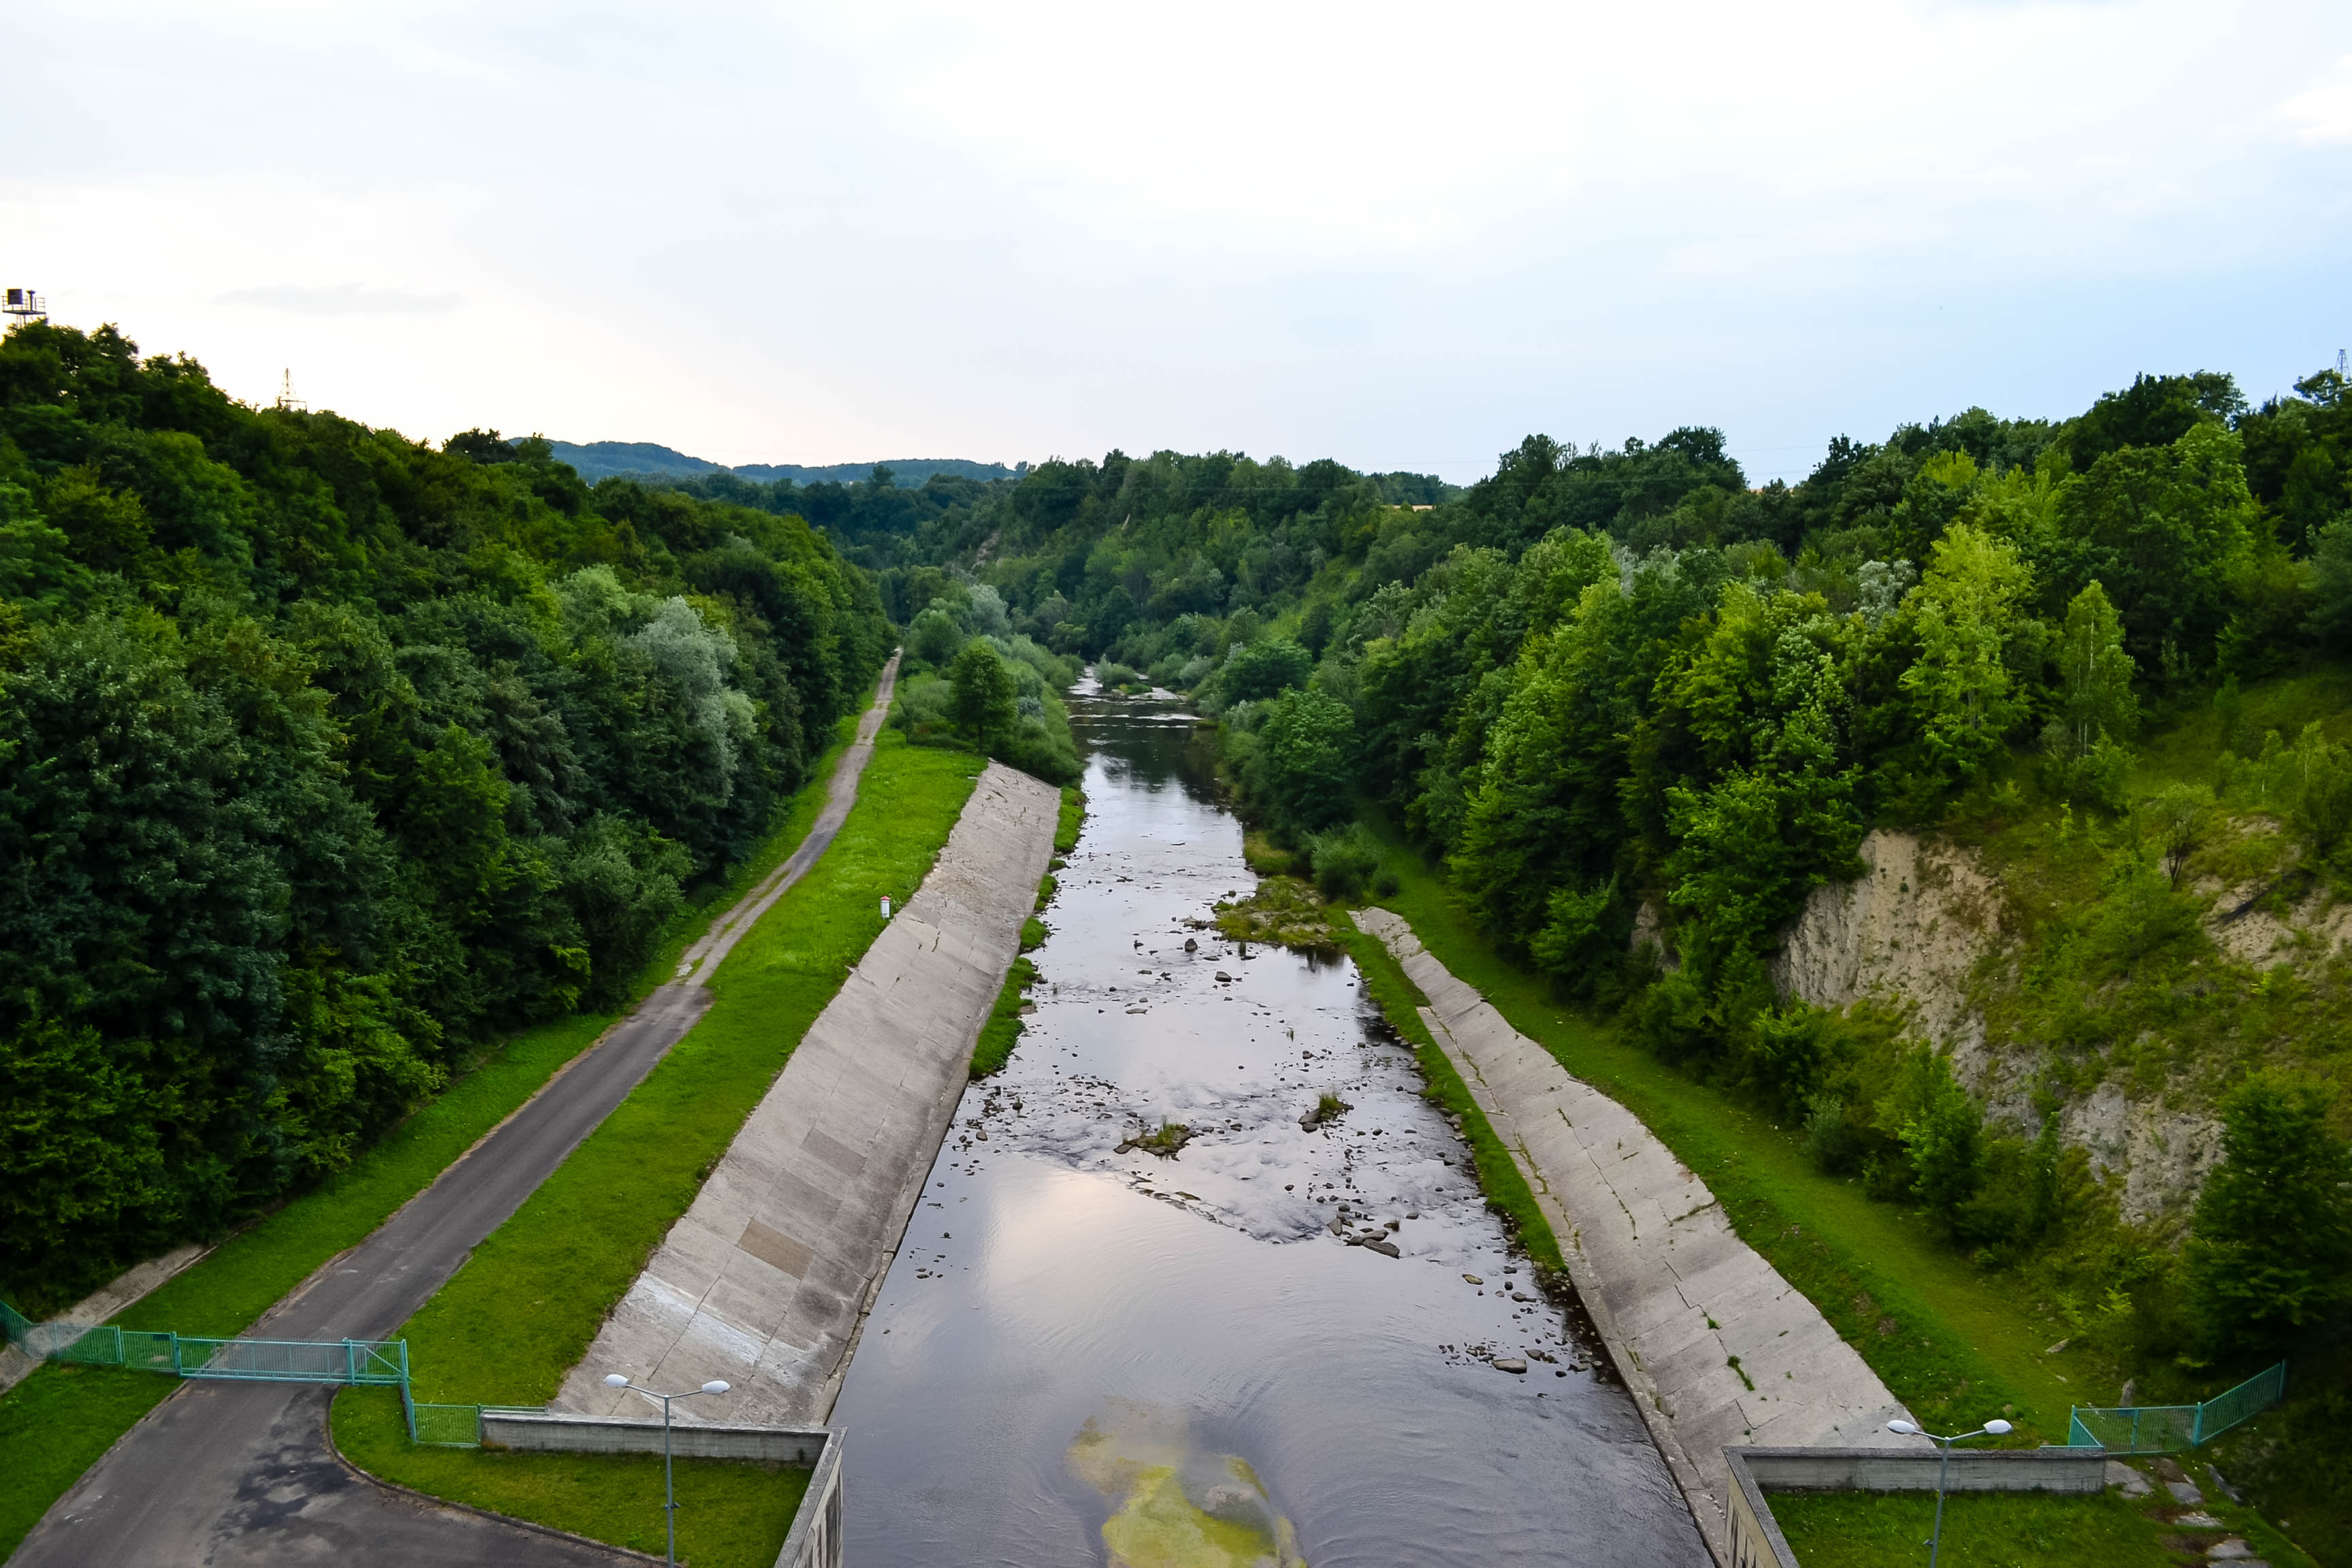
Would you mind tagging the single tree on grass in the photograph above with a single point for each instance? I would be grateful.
(980, 698)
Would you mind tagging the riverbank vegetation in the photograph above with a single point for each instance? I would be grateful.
(331, 760)
(1635, 711)
(2017, 1529)
(56, 1423)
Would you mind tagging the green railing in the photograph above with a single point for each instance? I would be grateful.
(2169, 1428)
(442, 1426)
(360, 1363)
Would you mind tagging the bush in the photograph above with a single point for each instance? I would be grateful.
(1345, 860)
(1832, 1141)
(1110, 672)
(1787, 1053)
(1942, 1134)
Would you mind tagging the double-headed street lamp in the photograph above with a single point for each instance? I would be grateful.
(1934, 1543)
(669, 1508)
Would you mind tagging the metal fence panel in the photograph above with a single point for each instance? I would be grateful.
(2139, 1429)
(368, 1362)
(2169, 1429)
(2243, 1403)
(150, 1352)
(446, 1425)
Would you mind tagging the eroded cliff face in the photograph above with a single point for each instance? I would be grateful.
(1909, 932)
(1916, 933)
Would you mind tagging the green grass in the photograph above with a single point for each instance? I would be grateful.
(1003, 1030)
(58, 1422)
(2001, 1530)
(1950, 1342)
(2009, 1530)
(1507, 1191)
(731, 1514)
(528, 1302)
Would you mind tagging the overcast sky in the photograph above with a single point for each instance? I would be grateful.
(1403, 236)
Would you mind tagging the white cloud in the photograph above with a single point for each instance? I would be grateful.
(2325, 112)
(1401, 234)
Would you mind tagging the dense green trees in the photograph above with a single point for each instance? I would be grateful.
(328, 756)
(2270, 1256)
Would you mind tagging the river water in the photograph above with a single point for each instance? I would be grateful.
(1086, 1356)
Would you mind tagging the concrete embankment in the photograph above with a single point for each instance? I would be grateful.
(1718, 1349)
(766, 1278)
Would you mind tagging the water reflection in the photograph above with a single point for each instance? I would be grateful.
(1076, 1344)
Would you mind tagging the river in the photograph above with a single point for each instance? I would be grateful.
(1085, 1356)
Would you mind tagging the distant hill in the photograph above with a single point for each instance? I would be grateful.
(603, 459)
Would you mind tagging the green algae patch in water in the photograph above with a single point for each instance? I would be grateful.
(1175, 1506)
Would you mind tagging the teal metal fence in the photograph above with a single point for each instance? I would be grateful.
(359, 1363)
(442, 1426)
(2169, 1428)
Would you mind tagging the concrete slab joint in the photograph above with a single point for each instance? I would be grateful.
(766, 1280)
(1673, 1291)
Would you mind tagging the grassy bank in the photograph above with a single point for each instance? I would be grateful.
(58, 1422)
(2016, 1530)
(731, 1514)
(527, 1304)
(1003, 1030)
(1952, 1342)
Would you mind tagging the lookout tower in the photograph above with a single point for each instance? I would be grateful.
(286, 398)
(26, 305)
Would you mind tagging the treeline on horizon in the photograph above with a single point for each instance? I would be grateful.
(1604, 685)
(327, 758)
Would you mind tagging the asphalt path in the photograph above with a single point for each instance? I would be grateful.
(243, 1472)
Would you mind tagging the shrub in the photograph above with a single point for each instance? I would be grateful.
(1110, 672)
(1832, 1141)
(1345, 860)
(1787, 1053)
(1942, 1134)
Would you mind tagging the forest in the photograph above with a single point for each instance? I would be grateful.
(327, 759)
(1637, 710)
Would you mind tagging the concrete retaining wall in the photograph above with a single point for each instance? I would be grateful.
(1715, 1347)
(814, 1539)
(1755, 1541)
(766, 1280)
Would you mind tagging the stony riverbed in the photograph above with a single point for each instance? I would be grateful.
(1293, 1341)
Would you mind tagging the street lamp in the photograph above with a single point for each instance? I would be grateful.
(1996, 1428)
(669, 1508)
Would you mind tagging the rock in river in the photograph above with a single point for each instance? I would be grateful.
(1509, 1364)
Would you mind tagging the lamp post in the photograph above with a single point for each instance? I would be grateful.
(1996, 1428)
(669, 1490)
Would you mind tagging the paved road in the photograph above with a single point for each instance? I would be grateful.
(242, 1473)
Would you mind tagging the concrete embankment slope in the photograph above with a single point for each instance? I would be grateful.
(1717, 1348)
(766, 1278)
